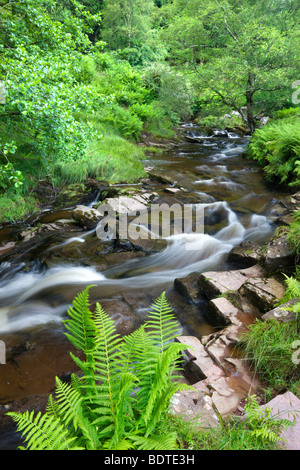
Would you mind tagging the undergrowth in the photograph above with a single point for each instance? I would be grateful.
(276, 147)
(121, 398)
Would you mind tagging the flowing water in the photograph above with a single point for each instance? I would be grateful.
(212, 173)
(39, 280)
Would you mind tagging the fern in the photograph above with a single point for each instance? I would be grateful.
(262, 426)
(123, 392)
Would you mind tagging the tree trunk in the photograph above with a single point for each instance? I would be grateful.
(250, 104)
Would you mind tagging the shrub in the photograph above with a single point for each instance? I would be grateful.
(124, 390)
(277, 148)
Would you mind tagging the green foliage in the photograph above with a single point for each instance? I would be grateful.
(15, 207)
(172, 89)
(123, 392)
(111, 158)
(293, 236)
(258, 430)
(127, 23)
(245, 54)
(287, 113)
(276, 147)
(260, 423)
(268, 345)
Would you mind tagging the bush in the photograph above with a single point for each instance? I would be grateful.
(277, 148)
(124, 121)
(124, 389)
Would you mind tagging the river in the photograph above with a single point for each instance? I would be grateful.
(209, 171)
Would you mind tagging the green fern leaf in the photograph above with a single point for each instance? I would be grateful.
(80, 325)
(43, 432)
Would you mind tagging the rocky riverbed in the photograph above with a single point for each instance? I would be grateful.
(232, 275)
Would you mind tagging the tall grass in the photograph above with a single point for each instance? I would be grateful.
(112, 158)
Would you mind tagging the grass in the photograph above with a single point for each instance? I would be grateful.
(112, 158)
(257, 431)
(15, 207)
(268, 346)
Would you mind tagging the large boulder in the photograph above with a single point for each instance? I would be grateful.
(86, 216)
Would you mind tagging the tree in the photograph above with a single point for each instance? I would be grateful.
(39, 58)
(245, 53)
(126, 23)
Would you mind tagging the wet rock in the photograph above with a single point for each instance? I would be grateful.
(279, 255)
(199, 365)
(224, 398)
(221, 313)
(121, 313)
(86, 216)
(6, 248)
(123, 205)
(246, 254)
(283, 312)
(264, 293)
(188, 288)
(216, 283)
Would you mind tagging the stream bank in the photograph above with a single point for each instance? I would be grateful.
(46, 261)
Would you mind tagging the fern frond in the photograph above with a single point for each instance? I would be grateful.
(161, 390)
(293, 287)
(156, 442)
(106, 367)
(80, 324)
(71, 411)
(43, 432)
(162, 323)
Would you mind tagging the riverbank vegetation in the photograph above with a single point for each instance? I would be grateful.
(84, 80)
(120, 401)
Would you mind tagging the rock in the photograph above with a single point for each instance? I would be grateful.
(123, 205)
(264, 293)
(172, 190)
(279, 255)
(188, 288)
(86, 216)
(246, 254)
(287, 406)
(199, 364)
(6, 248)
(216, 283)
(221, 313)
(194, 404)
(224, 398)
(281, 313)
